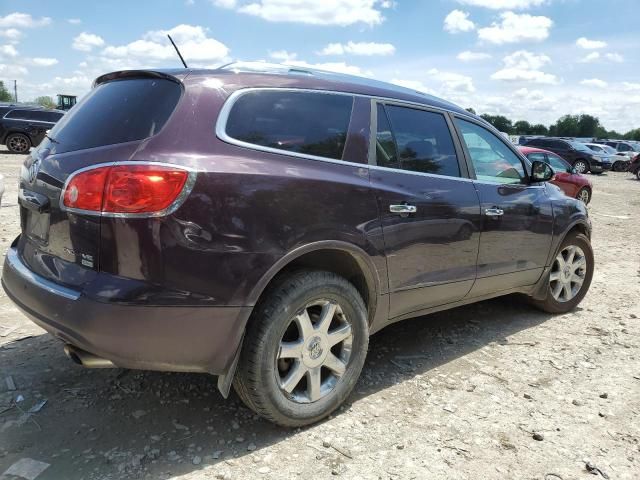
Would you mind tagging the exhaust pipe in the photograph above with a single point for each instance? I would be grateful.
(86, 359)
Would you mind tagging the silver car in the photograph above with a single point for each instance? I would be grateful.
(619, 160)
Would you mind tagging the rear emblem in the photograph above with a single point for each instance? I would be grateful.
(32, 172)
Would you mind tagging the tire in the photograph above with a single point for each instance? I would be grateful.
(18, 143)
(638, 174)
(584, 195)
(581, 166)
(276, 350)
(551, 303)
(618, 167)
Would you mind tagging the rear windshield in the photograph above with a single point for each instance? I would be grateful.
(117, 112)
(310, 123)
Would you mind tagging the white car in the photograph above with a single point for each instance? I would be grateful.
(1, 189)
(619, 160)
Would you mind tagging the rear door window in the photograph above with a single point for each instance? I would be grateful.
(309, 123)
(116, 112)
(422, 140)
(537, 156)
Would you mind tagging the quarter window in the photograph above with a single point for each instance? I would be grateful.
(492, 160)
(423, 141)
(310, 123)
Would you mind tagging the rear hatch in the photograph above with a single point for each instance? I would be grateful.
(110, 124)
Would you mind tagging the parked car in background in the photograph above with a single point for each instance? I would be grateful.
(572, 184)
(630, 149)
(579, 156)
(23, 127)
(260, 222)
(634, 167)
(620, 162)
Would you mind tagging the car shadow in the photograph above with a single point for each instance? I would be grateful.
(131, 423)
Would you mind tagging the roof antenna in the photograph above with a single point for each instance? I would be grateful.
(177, 51)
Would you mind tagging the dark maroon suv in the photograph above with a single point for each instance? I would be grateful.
(260, 224)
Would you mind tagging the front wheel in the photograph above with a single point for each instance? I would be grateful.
(304, 349)
(570, 275)
(584, 195)
(581, 166)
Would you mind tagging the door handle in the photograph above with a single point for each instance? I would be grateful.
(493, 212)
(403, 208)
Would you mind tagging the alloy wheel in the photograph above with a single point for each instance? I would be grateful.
(583, 196)
(18, 144)
(568, 273)
(314, 352)
(580, 167)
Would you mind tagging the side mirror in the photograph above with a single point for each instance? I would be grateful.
(541, 171)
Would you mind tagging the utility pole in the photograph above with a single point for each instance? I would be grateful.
(15, 89)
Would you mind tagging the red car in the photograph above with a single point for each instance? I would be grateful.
(572, 184)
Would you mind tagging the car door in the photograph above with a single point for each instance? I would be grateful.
(429, 208)
(517, 217)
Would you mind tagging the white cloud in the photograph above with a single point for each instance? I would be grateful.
(23, 20)
(514, 28)
(12, 70)
(11, 34)
(8, 51)
(587, 44)
(358, 48)
(43, 62)
(615, 57)
(468, 56)
(154, 46)
(224, 3)
(74, 21)
(524, 66)
(283, 55)
(85, 42)
(452, 82)
(594, 82)
(312, 12)
(458, 21)
(631, 86)
(591, 57)
(504, 4)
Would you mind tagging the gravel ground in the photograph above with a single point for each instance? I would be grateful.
(492, 390)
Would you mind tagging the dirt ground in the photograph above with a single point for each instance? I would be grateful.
(459, 395)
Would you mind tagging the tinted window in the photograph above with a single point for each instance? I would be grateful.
(492, 160)
(540, 157)
(386, 155)
(558, 145)
(117, 112)
(20, 114)
(44, 116)
(623, 147)
(303, 122)
(423, 141)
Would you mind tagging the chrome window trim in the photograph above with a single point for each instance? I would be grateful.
(14, 262)
(180, 199)
(223, 116)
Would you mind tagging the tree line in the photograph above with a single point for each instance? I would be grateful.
(582, 125)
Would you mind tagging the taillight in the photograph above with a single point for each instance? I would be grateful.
(134, 189)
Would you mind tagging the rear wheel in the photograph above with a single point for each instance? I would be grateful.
(581, 166)
(584, 195)
(618, 167)
(18, 143)
(570, 275)
(638, 174)
(304, 349)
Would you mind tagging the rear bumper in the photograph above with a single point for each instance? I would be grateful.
(141, 336)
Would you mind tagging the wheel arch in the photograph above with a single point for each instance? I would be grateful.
(342, 258)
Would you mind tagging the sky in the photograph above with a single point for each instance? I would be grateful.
(531, 60)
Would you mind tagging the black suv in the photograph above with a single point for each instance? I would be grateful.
(23, 127)
(581, 157)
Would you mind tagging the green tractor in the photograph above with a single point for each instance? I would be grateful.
(65, 102)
